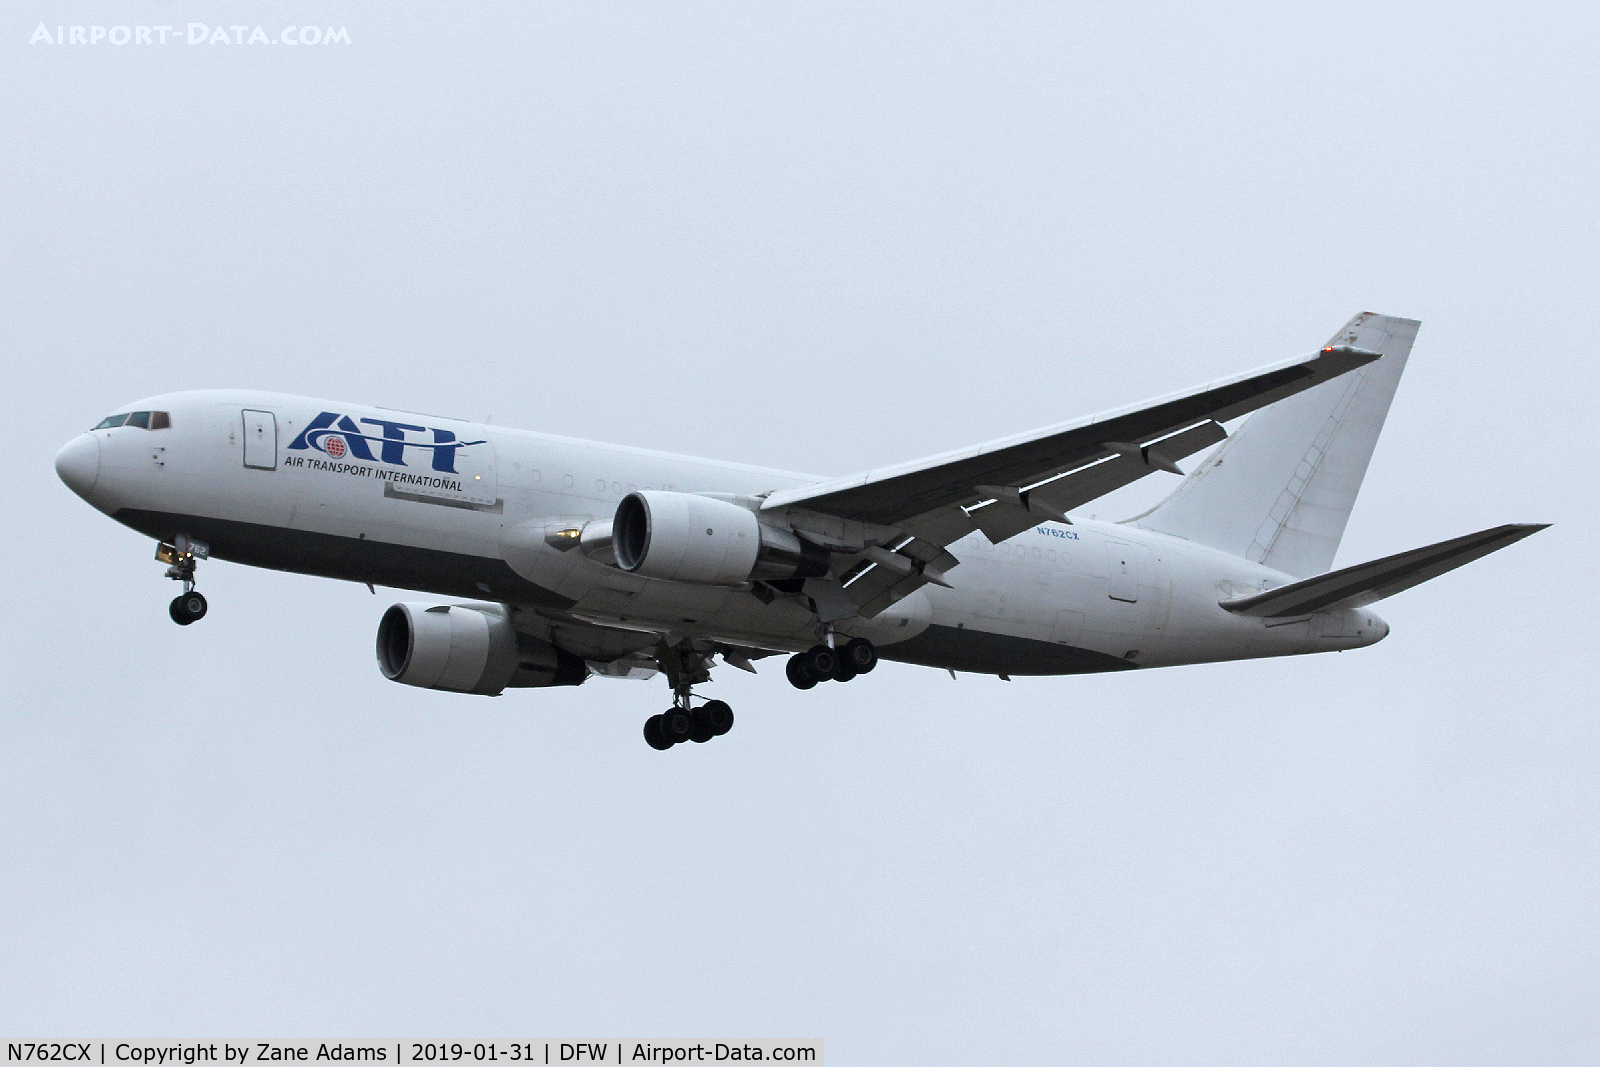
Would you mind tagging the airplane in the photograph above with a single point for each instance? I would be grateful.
(576, 558)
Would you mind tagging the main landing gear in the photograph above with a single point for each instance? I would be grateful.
(684, 667)
(823, 662)
(189, 606)
(682, 723)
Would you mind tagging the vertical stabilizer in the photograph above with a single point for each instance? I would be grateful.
(1280, 490)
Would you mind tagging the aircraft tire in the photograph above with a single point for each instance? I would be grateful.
(654, 735)
(799, 673)
(843, 672)
(719, 715)
(700, 726)
(676, 725)
(188, 608)
(822, 660)
(861, 655)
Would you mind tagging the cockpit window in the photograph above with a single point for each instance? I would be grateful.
(145, 420)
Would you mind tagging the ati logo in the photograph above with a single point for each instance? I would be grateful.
(334, 435)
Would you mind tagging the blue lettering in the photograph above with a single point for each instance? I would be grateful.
(321, 422)
(444, 453)
(392, 444)
(355, 439)
(394, 439)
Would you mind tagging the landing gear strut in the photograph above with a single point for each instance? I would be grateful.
(182, 556)
(685, 666)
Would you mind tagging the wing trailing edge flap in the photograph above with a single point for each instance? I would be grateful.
(893, 495)
(878, 576)
(879, 565)
(1367, 583)
(894, 524)
(1012, 510)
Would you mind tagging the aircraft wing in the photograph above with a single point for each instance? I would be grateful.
(899, 519)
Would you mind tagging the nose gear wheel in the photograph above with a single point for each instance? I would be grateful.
(187, 608)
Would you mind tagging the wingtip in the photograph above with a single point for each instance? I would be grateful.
(1512, 532)
(1366, 355)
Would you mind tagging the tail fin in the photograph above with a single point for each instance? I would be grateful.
(1280, 490)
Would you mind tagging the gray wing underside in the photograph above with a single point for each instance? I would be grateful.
(893, 525)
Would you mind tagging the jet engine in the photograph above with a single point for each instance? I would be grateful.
(686, 538)
(468, 648)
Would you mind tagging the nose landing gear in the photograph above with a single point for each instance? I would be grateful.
(181, 556)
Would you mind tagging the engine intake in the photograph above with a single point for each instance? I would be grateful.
(468, 648)
(686, 538)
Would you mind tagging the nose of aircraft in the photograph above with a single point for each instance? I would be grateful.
(78, 464)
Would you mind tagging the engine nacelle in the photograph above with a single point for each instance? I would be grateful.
(468, 648)
(686, 538)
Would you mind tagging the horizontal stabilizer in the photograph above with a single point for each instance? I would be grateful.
(1366, 583)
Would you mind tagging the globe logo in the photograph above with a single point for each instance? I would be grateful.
(334, 446)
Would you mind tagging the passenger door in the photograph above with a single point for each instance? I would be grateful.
(260, 440)
(1129, 567)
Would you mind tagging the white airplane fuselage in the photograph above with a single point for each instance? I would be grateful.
(462, 509)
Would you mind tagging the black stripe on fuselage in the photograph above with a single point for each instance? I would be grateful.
(348, 558)
(978, 652)
(457, 574)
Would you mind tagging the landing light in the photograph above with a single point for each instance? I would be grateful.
(563, 538)
(182, 547)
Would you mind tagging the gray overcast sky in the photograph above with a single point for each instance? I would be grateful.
(816, 237)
